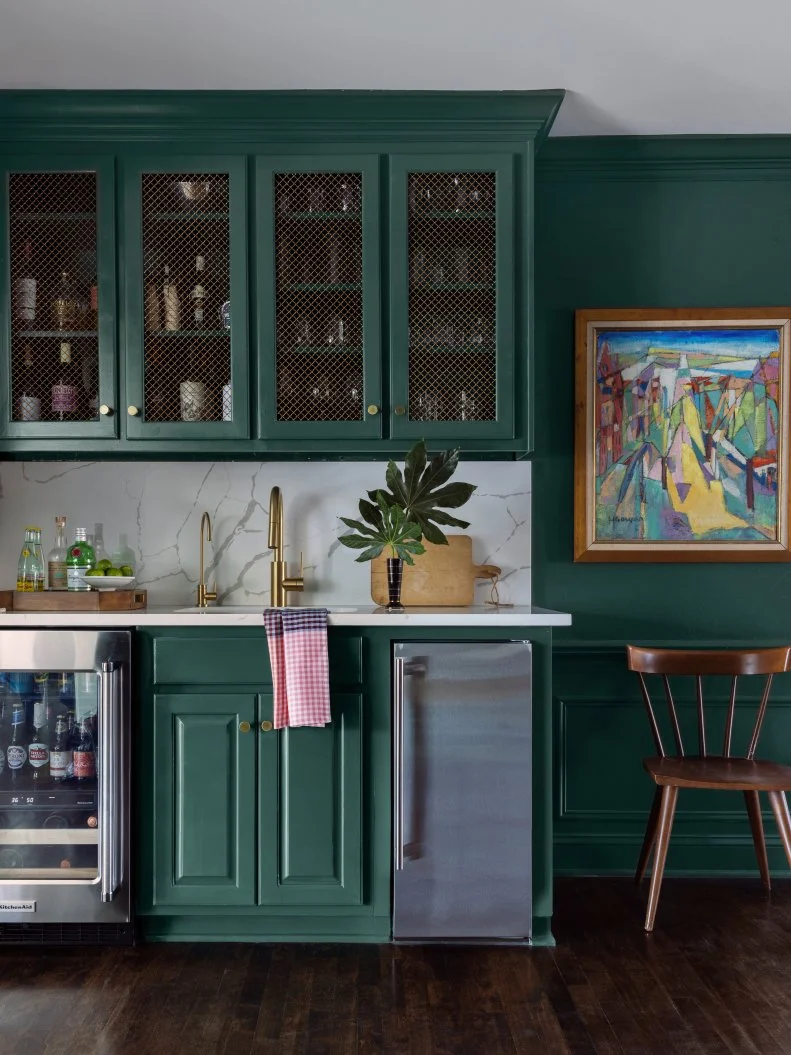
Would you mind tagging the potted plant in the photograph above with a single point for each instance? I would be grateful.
(410, 510)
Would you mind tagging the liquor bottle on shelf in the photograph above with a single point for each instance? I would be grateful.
(56, 558)
(40, 565)
(79, 560)
(99, 552)
(64, 305)
(198, 295)
(29, 572)
(66, 390)
(25, 287)
(85, 755)
(61, 760)
(170, 301)
(38, 748)
(29, 402)
(16, 752)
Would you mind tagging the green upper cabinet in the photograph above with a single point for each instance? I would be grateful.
(187, 366)
(452, 297)
(57, 289)
(318, 297)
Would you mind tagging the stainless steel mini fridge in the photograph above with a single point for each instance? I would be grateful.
(64, 786)
(462, 779)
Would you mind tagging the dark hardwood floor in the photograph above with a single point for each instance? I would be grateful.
(713, 978)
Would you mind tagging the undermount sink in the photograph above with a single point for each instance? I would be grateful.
(253, 609)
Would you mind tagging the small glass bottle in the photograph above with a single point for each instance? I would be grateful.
(79, 560)
(84, 754)
(56, 558)
(39, 558)
(64, 305)
(99, 552)
(29, 571)
(61, 760)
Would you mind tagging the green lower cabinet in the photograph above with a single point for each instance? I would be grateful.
(310, 839)
(204, 794)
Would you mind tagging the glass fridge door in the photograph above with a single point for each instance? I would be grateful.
(49, 765)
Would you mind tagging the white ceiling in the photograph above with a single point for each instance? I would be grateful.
(630, 67)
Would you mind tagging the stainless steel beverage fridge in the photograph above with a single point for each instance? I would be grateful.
(64, 786)
(462, 791)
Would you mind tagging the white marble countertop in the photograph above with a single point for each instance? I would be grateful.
(340, 615)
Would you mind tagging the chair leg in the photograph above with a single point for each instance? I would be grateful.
(753, 802)
(667, 809)
(649, 838)
(783, 818)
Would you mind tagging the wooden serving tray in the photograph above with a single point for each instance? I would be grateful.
(71, 601)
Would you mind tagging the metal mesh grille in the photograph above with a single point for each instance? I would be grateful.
(186, 297)
(67, 934)
(319, 314)
(452, 372)
(54, 343)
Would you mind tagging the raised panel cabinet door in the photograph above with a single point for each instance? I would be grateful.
(318, 297)
(204, 800)
(452, 297)
(310, 808)
(185, 240)
(57, 291)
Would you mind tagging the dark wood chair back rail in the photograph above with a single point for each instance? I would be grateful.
(719, 772)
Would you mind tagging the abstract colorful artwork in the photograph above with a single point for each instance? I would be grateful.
(684, 436)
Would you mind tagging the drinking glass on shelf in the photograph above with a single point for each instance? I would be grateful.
(467, 406)
(480, 331)
(421, 198)
(437, 275)
(315, 198)
(321, 396)
(458, 194)
(428, 406)
(302, 330)
(349, 196)
(334, 275)
(461, 255)
(336, 333)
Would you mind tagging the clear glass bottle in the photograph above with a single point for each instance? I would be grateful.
(29, 571)
(64, 305)
(25, 289)
(79, 560)
(56, 558)
(99, 552)
(124, 556)
(198, 295)
(40, 581)
(29, 403)
(66, 389)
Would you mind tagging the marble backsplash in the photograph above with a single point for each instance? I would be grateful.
(159, 505)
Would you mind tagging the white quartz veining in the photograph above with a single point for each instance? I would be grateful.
(159, 505)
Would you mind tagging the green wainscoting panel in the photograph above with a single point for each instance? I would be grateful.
(310, 845)
(204, 776)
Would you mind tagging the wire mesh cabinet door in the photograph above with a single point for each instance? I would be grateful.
(318, 297)
(57, 287)
(452, 282)
(187, 366)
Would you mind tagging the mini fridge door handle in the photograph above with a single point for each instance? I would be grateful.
(398, 764)
(109, 760)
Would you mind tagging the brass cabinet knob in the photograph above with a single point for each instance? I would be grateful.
(105, 410)
(373, 409)
(244, 727)
(266, 727)
(133, 411)
(400, 411)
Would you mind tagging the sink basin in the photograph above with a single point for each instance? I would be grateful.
(255, 609)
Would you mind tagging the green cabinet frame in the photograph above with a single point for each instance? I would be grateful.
(137, 428)
(370, 426)
(47, 431)
(502, 165)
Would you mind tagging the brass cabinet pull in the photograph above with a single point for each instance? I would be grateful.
(244, 727)
(133, 411)
(373, 409)
(105, 410)
(266, 727)
(400, 411)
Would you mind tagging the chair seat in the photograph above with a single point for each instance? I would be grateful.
(735, 774)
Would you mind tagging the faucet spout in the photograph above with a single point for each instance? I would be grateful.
(281, 583)
(204, 595)
(276, 522)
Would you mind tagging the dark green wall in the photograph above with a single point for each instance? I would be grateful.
(696, 222)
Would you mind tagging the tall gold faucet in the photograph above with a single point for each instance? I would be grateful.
(204, 595)
(282, 584)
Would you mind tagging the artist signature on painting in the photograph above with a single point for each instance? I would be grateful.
(626, 520)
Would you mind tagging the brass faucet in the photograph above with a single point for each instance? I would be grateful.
(281, 583)
(204, 595)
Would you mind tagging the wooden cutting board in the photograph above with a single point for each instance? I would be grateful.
(73, 601)
(443, 576)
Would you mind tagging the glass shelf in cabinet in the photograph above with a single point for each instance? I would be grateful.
(188, 333)
(355, 214)
(322, 287)
(60, 217)
(320, 349)
(190, 217)
(451, 287)
(444, 214)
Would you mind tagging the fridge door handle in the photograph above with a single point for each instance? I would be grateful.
(398, 764)
(109, 749)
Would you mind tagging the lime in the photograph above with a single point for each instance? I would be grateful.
(113, 571)
(104, 563)
(127, 569)
(94, 571)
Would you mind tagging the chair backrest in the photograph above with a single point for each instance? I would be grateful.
(699, 662)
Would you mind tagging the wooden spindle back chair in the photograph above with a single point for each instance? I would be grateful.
(719, 772)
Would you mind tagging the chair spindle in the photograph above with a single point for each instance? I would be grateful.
(673, 716)
(759, 718)
(651, 717)
(701, 719)
(726, 746)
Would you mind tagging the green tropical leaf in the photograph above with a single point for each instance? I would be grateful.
(357, 525)
(370, 512)
(354, 541)
(369, 554)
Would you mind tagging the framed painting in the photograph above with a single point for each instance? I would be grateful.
(681, 435)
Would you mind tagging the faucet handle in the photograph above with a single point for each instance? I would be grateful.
(296, 582)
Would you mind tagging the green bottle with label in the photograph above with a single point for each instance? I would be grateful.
(79, 560)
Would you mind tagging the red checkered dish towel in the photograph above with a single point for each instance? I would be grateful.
(297, 639)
